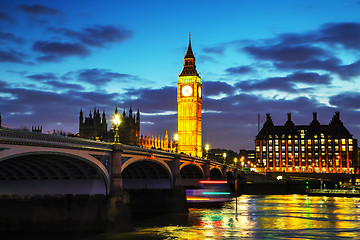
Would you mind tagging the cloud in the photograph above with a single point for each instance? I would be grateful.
(285, 84)
(12, 56)
(97, 36)
(55, 51)
(240, 70)
(346, 100)
(345, 34)
(42, 77)
(97, 76)
(38, 9)
(313, 50)
(7, 18)
(214, 50)
(217, 88)
(284, 53)
(9, 37)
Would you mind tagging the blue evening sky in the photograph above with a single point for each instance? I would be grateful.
(253, 57)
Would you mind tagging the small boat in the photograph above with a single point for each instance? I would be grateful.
(211, 194)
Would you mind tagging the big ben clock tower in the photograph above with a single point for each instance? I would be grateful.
(189, 99)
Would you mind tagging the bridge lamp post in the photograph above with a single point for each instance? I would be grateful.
(207, 147)
(116, 122)
(176, 138)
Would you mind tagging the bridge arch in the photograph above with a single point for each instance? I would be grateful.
(52, 172)
(146, 174)
(191, 174)
(230, 175)
(215, 174)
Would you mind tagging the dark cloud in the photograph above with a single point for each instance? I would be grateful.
(97, 36)
(9, 37)
(346, 100)
(285, 53)
(205, 58)
(152, 100)
(214, 50)
(38, 9)
(345, 34)
(63, 86)
(55, 51)
(97, 76)
(3, 84)
(217, 88)
(7, 18)
(240, 70)
(42, 77)
(285, 84)
(12, 56)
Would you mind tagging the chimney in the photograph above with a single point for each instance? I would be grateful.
(289, 116)
(314, 116)
(268, 117)
(337, 115)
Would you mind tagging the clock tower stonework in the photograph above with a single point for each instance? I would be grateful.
(189, 100)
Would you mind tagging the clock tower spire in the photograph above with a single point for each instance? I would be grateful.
(189, 99)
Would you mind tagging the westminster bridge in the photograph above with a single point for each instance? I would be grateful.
(37, 164)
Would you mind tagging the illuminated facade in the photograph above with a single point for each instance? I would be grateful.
(189, 99)
(306, 148)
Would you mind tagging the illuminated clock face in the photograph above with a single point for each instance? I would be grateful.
(199, 91)
(186, 91)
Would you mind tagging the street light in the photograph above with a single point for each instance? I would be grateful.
(116, 122)
(224, 155)
(207, 147)
(176, 138)
(235, 160)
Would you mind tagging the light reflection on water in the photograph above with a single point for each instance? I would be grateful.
(266, 217)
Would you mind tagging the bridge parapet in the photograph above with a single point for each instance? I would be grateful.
(8, 136)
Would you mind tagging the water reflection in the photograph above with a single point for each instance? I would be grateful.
(266, 217)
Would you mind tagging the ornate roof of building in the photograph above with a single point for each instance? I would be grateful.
(189, 63)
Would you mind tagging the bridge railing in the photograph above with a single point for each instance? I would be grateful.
(34, 138)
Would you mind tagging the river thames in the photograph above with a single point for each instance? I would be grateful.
(258, 217)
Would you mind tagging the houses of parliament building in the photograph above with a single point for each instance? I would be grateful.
(95, 126)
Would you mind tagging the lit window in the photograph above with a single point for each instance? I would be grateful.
(315, 136)
(343, 148)
(322, 135)
(350, 141)
(322, 141)
(264, 149)
(289, 142)
(277, 148)
(316, 141)
(336, 141)
(270, 142)
(289, 136)
(342, 141)
(296, 142)
(350, 148)
(276, 142)
(258, 148)
(303, 148)
(302, 142)
(309, 141)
